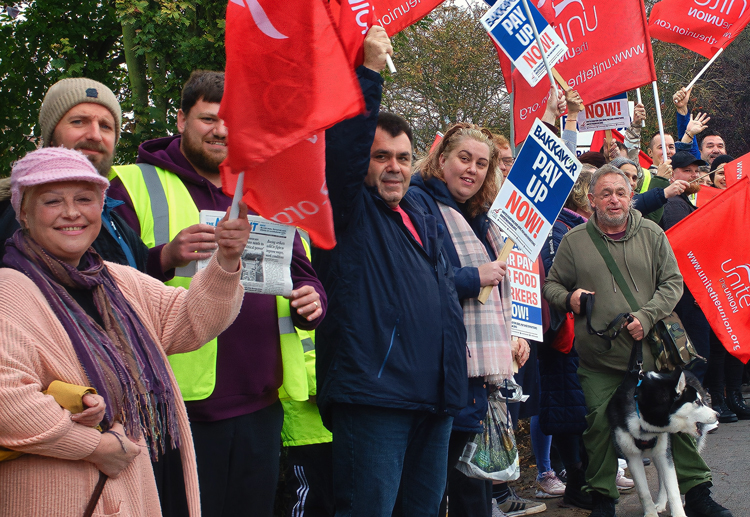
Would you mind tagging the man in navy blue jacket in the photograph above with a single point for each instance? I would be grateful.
(391, 362)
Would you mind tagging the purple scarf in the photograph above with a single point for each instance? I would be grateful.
(121, 360)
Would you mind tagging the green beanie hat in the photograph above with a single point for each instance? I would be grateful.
(67, 93)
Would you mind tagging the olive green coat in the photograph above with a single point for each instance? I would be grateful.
(647, 262)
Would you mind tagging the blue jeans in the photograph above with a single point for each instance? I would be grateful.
(376, 450)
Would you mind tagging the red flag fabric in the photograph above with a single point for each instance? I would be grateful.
(353, 19)
(715, 264)
(287, 79)
(436, 142)
(396, 15)
(735, 170)
(280, 193)
(706, 194)
(597, 141)
(597, 64)
(701, 27)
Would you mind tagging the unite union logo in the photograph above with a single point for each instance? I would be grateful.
(261, 18)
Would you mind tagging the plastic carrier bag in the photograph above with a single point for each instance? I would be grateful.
(492, 454)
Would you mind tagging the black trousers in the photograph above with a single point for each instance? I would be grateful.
(724, 369)
(309, 481)
(170, 483)
(238, 463)
(466, 497)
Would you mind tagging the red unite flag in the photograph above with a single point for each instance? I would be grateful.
(706, 194)
(396, 15)
(701, 27)
(288, 78)
(597, 64)
(735, 170)
(354, 18)
(597, 141)
(716, 264)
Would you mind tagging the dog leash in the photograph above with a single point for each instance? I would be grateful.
(616, 326)
(635, 363)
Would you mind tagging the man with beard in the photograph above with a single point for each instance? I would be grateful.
(230, 386)
(83, 114)
(643, 255)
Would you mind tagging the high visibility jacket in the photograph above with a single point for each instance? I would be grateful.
(164, 207)
(646, 180)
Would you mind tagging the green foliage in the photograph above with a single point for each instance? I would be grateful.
(54, 39)
(50, 40)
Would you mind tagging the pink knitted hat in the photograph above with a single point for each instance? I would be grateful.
(50, 165)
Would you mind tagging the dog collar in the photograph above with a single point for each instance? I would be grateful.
(645, 444)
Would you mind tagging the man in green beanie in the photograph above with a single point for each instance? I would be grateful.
(84, 114)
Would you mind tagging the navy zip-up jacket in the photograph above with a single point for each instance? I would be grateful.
(394, 334)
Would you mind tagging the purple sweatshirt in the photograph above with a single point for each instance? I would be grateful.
(248, 364)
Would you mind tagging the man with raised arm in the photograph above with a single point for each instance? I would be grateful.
(392, 352)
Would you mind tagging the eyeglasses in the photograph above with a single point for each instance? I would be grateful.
(608, 195)
(508, 161)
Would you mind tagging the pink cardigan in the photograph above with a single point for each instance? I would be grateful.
(52, 479)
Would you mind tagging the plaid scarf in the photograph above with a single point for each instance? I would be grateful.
(488, 325)
(121, 360)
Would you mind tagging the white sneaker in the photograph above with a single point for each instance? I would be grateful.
(516, 506)
(497, 512)
(623, 483)
(621, 463)
(548, 486)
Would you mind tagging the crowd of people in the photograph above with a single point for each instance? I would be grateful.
(375, 373)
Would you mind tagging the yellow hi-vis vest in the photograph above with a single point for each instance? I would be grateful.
(646, 180)
(164, 207)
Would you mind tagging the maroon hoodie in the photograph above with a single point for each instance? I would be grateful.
(248, 364)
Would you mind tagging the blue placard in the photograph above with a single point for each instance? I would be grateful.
(511, 28)
(540, 175)
(527, 313)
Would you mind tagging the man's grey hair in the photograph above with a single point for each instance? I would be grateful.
(603, 171)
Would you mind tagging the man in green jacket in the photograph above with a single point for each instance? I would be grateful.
(645, 258)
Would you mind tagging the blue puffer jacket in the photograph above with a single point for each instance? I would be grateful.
(393, 335)
(427, 194)
(562, 406)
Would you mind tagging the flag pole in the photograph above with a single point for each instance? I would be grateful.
(234, 212)
(661, 124)
(539, 43)
(710, 62)
(501, 257)
(638, 96)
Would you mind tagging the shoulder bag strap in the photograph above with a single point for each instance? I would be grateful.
(636, 356)
(610, 261)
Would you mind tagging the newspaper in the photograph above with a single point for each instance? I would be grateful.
(267, 257)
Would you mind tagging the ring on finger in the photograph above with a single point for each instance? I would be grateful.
(317, 305)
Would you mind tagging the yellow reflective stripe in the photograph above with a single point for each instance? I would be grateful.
(195, 371)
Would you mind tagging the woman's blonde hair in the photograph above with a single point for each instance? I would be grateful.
(578, 197)
(429, 166)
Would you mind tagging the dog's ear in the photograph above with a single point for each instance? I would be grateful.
(681, 384)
